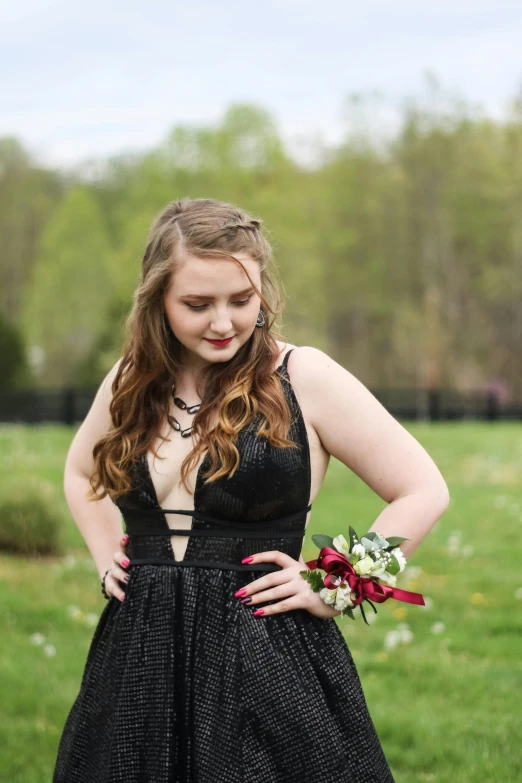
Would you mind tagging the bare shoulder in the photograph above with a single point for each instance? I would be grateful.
(355, 428)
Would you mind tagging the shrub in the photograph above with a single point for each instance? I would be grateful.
(31, 522)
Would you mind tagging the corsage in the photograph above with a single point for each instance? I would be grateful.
(361, 570)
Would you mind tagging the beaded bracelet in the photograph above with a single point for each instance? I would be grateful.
(104, 592)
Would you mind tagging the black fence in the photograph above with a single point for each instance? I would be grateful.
(70, 406)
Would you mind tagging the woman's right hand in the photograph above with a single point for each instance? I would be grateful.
(118, 573)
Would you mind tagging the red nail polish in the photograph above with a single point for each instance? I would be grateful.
(247, 559)
(240, 592)
(125, 538)
(258, 612)
(125, 562)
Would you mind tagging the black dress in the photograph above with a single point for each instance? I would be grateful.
(182, 684)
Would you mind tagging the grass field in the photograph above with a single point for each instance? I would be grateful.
(442, 682)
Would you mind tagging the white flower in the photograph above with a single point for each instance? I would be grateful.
(388, 579)
(328, 595)
(364, 566)
(37, 638)
(69, 561)
(391, 640)
(49, 650)
(358, 550)
(343, 598)
(413, 572)
(73, 611)
(428, 603)
(405, 636)
(518, 593)
(400, 557)
(454, 545)
(437, 627)
(341, 544)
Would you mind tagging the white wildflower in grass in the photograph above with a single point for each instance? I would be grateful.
(412, 572)
(467, 550)
(437, 627)
(454, 545)
(73, 611)
(69, 561)
(400, 635)
(341, 544)
(514, 508)
(37, 638)
(399, 555)
(358, 550)
(49, 650)
(405, 636)
(91, 619)
(391, 640)
(518, 593)
(428, 603)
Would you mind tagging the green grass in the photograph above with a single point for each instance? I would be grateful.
(445, 705)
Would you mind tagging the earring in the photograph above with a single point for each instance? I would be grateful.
(261, 316)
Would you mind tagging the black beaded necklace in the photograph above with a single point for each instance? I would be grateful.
(184, 407)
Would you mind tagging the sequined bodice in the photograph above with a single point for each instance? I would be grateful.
(262, 507)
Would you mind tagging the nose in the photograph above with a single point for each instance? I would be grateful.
(221, 323)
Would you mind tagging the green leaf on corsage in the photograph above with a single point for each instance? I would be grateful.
(314, 578)
(394, 541)
(354, 538)
(321, 540)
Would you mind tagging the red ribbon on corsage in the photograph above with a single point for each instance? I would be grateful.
(333, 562)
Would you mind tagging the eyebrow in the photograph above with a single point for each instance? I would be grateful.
(203, 296)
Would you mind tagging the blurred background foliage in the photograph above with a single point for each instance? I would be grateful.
(402, 258)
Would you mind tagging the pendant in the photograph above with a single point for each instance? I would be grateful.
(184, 407)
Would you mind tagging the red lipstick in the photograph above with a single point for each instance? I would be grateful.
(219, 343)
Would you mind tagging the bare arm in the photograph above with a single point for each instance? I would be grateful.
(355, 428)
(98, 521)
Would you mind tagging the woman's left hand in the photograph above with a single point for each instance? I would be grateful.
(287, 584)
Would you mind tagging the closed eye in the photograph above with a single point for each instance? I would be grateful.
(198, 308)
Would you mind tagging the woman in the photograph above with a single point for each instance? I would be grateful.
(214, 661)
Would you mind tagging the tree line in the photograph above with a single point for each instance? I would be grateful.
(402, 257)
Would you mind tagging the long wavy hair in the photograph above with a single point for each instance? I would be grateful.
(145, 381)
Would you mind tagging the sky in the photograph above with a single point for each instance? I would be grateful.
(86, 81)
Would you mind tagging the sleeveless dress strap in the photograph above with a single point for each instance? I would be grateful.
(285, 360)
